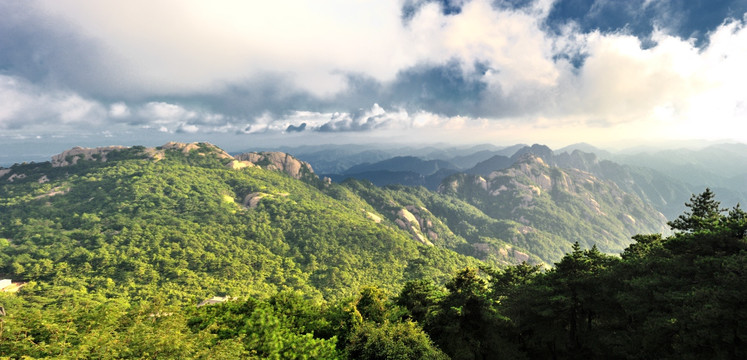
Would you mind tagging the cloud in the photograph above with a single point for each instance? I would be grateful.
(51, 51)
(669, 81)
(684, 19)
(25, 105)
(371, 119)
(312, 44)
(157, 49)
(189, 129)
(164, 113)
(185, 119)
(362, 120)
(119, 110)
(293, 128)
(298, 68)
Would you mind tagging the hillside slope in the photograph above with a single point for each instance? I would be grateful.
(188, 221)
(560, 205)
(451, 223)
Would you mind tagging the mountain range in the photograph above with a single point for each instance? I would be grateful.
(126, 244)
(500, 205)
(663, 178)
(530, 210)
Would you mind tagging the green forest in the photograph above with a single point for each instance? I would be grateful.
(117, 254)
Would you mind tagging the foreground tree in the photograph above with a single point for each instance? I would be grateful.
(704, 214)
(466, 323)
(392, 340)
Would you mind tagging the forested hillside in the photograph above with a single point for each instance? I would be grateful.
(117, 246)
(525, 208)
(189, 223)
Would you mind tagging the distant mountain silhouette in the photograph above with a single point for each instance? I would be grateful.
(403, 163)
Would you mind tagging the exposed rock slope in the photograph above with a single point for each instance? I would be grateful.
(571, 203)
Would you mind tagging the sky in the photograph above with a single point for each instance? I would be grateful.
(246, 74)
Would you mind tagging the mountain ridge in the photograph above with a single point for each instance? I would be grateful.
(276, 161)
(181, 220)
(539, 195)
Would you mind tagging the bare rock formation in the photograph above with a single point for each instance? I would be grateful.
(278, 161)
(187, 148)
(71, 157)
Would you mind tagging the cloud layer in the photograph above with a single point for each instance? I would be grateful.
(458, 70)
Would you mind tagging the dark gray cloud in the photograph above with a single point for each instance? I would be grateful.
(50, 52)
(299, 128)
(273, 94)
(442, 89)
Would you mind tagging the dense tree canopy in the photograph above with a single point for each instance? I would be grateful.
(116, 257)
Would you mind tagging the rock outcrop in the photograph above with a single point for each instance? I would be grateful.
(278, 161)
(416, 225)
(186, 148)
(72, 156)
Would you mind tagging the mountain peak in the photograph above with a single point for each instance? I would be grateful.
(186, 148)
(537, 149)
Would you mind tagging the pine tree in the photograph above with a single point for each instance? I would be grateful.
(704, 214)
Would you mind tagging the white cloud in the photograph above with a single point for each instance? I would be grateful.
(194, 45)
(119, 110)
(374, 118)
(24, 105)
(184, 119)
(189, 129)
(678, 89)
(165, 113)
(510, 42)
(620, 81)
(179, 47)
